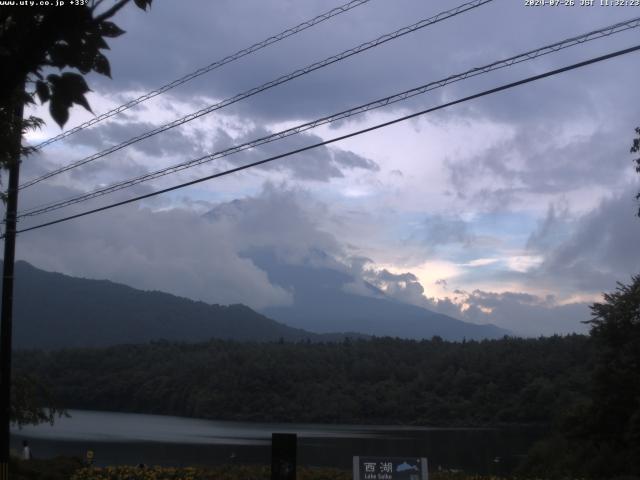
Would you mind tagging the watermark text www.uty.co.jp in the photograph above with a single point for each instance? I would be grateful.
(43, 3)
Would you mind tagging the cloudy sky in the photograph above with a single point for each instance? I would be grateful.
(515, 209)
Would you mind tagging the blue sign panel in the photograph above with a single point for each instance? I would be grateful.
(390, 468)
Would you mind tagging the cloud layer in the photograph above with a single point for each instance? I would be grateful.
(516, 209)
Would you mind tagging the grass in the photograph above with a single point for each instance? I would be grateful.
(60, 468)
(235, 472)
(64, 468)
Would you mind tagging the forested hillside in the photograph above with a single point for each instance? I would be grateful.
(492, 382)
(78, 312)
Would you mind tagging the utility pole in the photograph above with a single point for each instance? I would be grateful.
(6, 318)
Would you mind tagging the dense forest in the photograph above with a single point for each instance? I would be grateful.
(383, 380)
(587, 389)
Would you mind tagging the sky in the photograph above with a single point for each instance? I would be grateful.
(515, 209)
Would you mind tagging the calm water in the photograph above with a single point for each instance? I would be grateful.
(120, 438)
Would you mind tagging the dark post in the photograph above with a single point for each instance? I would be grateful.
(283, 456)
(7, 289)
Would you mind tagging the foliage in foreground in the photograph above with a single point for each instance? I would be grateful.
(635, 148)
(32, 402)
(601, 437)
(60, 468)
(237, 473)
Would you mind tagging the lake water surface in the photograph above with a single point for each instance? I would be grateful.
(124, 438)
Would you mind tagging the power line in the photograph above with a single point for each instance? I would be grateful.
(212, 66)
(342, 137)
(285, 78)
(522, 57)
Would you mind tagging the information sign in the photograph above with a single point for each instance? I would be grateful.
(390, 468)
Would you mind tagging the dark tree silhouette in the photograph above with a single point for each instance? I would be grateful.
(614, 416)
(38, 40)
(381, 380)
(35, 39)
(635, 148)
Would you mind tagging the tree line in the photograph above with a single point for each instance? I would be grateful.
(383, 380)
(585, 388)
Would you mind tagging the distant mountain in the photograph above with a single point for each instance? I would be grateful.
(323, 303)
(52, 310)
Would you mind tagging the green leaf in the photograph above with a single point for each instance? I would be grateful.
(110, 29)
(84, 62)
(42, 89)
(96, 41)
(75, 87)
(82, 100)
(60, 56)
(53, 79)
(59, 111)
(101, 65)
(75, 82)
(67, 89)
(143, 4)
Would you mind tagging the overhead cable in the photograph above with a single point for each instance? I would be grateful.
(337, 139)
(212, 66)
(522, 57)
(280, 80)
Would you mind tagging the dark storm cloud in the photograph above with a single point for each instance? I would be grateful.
(171, 142)
(279, 217)
(149, 249)
(221, 140)
(600, 250)
(437, 230)
(177, 37)
(533, 163)
(48, 192)
(523, 313)
(37, 164)
(170, 148)
(582, 254)
(351, 160)
(210, 37)
(104, 171)
(182, 252)
(319, 164)
(551, 230)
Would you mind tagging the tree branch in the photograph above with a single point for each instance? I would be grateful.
(96, 4)
(112, 11)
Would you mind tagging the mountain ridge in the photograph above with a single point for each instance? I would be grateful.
(53, 310)
(323, 302)
(79, 312)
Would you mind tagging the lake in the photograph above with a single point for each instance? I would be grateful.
(124, 438)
